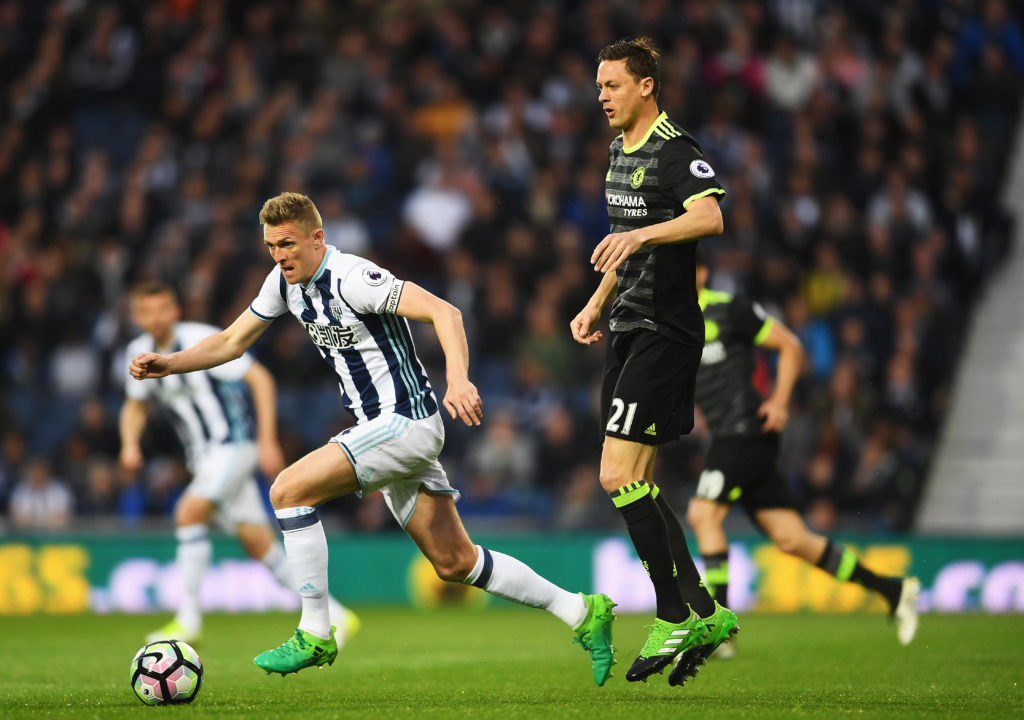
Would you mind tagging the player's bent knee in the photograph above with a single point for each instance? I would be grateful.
(451, 573)
(191, 510)
(454, 566)
(788, 543)
(696, 513)
(277, 494)
(453, 570)
(702, 513)
(286, 492)
(613, 480)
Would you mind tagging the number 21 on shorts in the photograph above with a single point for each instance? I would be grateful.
(613, 421)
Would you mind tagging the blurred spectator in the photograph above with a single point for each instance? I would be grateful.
(97, 496)
(815, 335)
(39, 501)
(12, 459)
(346, 232)
(440, 207)
(559, 459)
(825, 286)
(502, 466)
(75, 365)
(790, 74)
(545, 343)
(994, 30)
(581, 502)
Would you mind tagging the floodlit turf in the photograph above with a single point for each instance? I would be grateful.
(514, 663)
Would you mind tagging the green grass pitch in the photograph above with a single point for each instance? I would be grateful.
(508, 662)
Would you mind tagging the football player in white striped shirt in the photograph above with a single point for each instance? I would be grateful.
(356, 313)
(215, 425)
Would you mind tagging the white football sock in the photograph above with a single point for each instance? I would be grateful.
(512, 579)
(277, 562)
(306, 547)
(193, 557)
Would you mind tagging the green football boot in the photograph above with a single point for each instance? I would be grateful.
(174, 630)
(594, 634)
(722, 625)
(302, 650)
(665, 641)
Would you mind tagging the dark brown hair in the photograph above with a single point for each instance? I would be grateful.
(641, 58)
(148, 288)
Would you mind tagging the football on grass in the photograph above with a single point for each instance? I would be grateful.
(167, 672)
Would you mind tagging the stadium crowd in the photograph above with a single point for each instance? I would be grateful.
(862, 144)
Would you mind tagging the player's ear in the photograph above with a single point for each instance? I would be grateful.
(318, 238)
(646, 87)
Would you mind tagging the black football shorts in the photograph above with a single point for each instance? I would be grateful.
(647, 388)
(744, 469)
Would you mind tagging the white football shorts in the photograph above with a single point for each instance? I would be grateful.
(225, 476)
(396, 455)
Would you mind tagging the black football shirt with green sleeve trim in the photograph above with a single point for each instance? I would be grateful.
(734, 327)
(649, 183)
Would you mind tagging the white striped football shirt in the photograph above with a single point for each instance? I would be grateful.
(206, 407)
(348, 308)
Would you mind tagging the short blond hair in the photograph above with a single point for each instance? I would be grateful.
(291, 207)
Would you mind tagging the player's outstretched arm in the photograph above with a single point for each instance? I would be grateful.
(775, 410)
(131, 424)
(582, 326)
(462, 399)
(209, 352)
(264, 399)
(703, 218)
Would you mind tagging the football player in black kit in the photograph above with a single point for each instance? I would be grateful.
(742, 463)
(662, 197)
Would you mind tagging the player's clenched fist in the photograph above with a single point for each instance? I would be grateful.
(149, 365)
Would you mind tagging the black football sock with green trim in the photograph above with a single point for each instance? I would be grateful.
(650, 537)
(691, 586)
(716, 574)
(844, 565)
